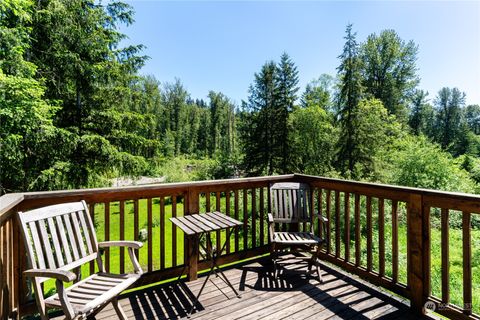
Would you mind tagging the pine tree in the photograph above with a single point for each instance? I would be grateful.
(287, 88)
(258, 123)
(349, 96)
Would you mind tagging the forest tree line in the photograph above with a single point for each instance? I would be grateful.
(75, 111)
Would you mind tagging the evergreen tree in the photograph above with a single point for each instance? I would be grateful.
(472, 116)
(449, 103)
(258, 123)
(422, 114)
(350, 93)
(287, 88)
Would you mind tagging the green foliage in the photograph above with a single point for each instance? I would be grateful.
(374, 130)
(264, 128)
(472, 116)
(416, 162)
(389, 70)
(313, 137)
(422, 114)
(449, 103)
(350, 93)
(184, 169)
(28, 139)
(318, 92)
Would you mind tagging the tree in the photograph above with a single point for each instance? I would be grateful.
(449, 103)
(389, 70)
(222, 115)
(30, 144)
(175, 101)
(417, 162)
(313, 137)
(350, 93)
(472, 116)
(259, 143)
(373, 132)
(422, 114)
(287, 88)
(318, 92)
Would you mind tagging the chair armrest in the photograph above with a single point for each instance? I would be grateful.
(270, 218)
(271, 227)
(62, 275)
(121, 243)
(321, 217)
(131, 245)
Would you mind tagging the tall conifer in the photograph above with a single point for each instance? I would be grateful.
(349, 96)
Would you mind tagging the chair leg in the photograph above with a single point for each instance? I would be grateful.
(119, 310)
(273, 256)
(316, 256)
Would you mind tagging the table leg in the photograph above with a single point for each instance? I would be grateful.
(213, 258)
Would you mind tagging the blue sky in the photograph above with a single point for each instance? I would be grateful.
(219, 45)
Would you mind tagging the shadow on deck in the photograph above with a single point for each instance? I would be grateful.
(294, 295)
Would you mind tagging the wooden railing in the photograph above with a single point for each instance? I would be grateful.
(381, 233)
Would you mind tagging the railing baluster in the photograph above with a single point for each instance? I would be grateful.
(235, 208)
(445, 256)
(347, 226)
(320, 213)
(227, 212)
(395, 241)
(218, 234)
(135, 225)
(107, 234)
(381, 236)
(369, 233)
(467, 263)
(358, 239)
(207, 199)
(174, 232)
(245, 219)
(162, 233)
(329, 221)
(122, 235)
(91, 208)
(262, 217)
(337, 224)
(254, 220)
(149, 235)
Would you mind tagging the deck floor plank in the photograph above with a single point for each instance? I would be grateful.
(294, 295)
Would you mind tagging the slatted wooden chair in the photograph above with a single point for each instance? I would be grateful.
(61, 238)
(290, 205)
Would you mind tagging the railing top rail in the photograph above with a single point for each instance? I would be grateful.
(391, 188)
(7, 202)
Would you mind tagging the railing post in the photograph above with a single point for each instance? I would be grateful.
(418, 251)
(192, 242)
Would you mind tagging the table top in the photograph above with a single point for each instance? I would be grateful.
(204, 222)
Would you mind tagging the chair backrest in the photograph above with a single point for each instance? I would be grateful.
(290, 202)
(60, 236)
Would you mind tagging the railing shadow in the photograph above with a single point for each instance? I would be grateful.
(347, 300)
(162, 302)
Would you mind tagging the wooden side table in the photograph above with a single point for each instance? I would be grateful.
(195, 226)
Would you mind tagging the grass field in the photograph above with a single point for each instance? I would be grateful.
(456, 254)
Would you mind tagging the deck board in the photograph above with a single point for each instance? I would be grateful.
(294, 295)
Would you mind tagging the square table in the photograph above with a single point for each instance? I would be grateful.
(195, 226)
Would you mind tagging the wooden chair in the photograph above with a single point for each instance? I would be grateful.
(290, 204)
(61, 238)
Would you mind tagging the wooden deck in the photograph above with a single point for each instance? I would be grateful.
(293, 296)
